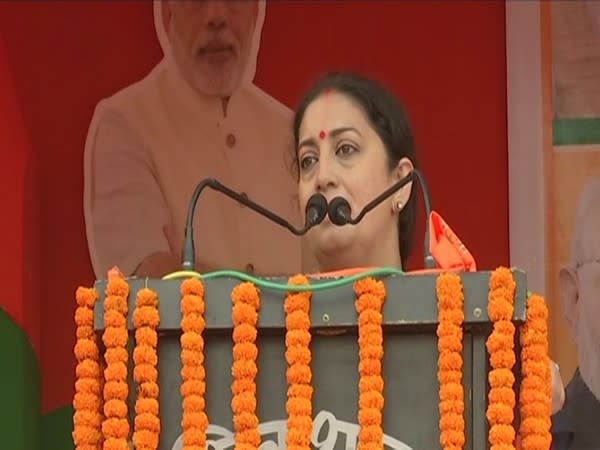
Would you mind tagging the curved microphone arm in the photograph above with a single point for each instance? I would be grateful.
(381, 197)
(188, 251)
(429, 261)
(414, 174)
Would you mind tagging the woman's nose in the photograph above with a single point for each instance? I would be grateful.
(326, 175)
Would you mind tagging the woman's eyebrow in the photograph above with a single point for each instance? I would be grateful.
(337, 131)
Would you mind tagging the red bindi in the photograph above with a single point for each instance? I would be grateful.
(322, 134)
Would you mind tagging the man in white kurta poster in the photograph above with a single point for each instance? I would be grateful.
(197, 114)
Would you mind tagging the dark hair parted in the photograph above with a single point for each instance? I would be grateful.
(387, 117)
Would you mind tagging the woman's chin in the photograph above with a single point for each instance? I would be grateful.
(332, 247)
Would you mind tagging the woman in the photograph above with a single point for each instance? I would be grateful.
(352, 139)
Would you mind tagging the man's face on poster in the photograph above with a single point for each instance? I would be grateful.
(211, 41)
(580, 292)
(588, 292)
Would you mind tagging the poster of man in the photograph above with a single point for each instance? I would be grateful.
(197, 114)
(575, 426)
(575, 148)
(574, 157)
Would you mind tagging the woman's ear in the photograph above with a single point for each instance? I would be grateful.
(402, 169)
(569, 295)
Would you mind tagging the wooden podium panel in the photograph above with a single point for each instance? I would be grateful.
(409, 365)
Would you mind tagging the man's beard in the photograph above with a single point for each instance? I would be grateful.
(588, 349)
(212, 81)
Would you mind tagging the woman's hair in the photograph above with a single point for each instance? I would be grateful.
(387, 117)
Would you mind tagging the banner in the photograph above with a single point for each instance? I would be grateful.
(121, 139)
(553, 51)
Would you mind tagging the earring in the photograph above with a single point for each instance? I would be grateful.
(397, 206)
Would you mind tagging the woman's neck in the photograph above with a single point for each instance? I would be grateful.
(356, 258)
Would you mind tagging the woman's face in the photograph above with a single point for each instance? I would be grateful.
(340, 154)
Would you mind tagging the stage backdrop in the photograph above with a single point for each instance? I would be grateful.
(445, 61)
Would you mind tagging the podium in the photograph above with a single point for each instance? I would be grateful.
(409, 364)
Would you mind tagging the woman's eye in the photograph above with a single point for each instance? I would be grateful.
(307, 161)
(346, 149)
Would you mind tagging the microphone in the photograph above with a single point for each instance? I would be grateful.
(340, 213)
(315, 212)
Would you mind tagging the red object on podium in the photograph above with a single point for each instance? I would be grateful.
(447, 249)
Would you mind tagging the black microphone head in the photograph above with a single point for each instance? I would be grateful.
(339, 211)
(316, 210)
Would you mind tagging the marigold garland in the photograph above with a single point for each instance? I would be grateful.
(244, 315)
(145, 374)
(100, 417)
(194, 420)
(115, 426)
(536, 392)
(87, 401)
(450, 297)
(370, 296)
(299, 375)
(500, 346)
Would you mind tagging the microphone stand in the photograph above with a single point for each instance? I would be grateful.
(429, 261)
(188, 251)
